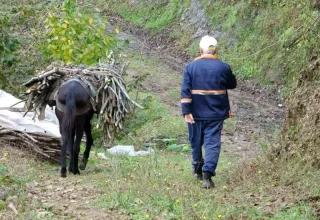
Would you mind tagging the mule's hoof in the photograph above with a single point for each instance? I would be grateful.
(63, 172)
(82, 167)
(83, 164)
(76, 172)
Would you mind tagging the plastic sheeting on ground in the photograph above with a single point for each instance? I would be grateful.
(16, 121)
(129, 151)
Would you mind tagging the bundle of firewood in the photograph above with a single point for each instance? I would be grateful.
(113, 101)
(47, 147)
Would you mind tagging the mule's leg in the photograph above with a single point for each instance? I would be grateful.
(76, 146)
(87, 130)
(64, 146)
(71, 152)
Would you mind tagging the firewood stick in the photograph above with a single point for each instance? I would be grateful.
(38, 78)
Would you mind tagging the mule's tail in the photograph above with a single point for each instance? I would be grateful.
(69, 119)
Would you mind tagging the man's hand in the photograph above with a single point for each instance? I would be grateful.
(189, 118)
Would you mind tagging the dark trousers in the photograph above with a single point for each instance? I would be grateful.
(208, 134)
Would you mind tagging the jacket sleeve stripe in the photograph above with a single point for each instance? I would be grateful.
(208, 92)
(186, 100)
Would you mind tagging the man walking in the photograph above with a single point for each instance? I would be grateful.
(205, 105)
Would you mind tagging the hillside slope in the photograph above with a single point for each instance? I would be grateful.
(266, 41)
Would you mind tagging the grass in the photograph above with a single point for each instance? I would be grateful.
(159, 192)
(161, 186)
(16, 176)
(157, 120)
(269, 24)
(154, 17)
(153, 122)
(174, 94)
(142, 64)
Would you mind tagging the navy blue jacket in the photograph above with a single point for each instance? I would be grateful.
(204, 88)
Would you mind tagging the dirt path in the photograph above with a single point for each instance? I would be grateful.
(258, 111)
(36, 189)
(70, 198)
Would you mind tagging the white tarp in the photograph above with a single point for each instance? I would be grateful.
(129, 151)
(16, 121)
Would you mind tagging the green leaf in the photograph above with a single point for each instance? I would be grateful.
(185, 148)
(3, 169)
(167, 140)
(173, 147)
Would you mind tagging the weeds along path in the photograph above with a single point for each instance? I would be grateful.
(258, 112)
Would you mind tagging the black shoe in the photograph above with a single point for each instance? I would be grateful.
(207, 182)
(198, 177)
(197, 173)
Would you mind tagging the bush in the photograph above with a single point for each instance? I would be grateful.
(8, 49)
(74, 36)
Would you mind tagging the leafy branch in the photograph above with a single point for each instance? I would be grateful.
(76, 37)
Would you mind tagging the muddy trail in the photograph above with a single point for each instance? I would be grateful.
(258, 111)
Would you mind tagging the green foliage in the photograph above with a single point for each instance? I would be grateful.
(180, 147)
(246, 71)
(166, 17)
(74, 36)
(8, 48)
(21, 21)
(8, 43)
(276, 35)
(153, 16)
(193, 49)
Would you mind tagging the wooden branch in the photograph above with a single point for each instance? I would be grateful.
(38, 78)
(18, 103)
(44, 146)
(13, 109)
(107, 79)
